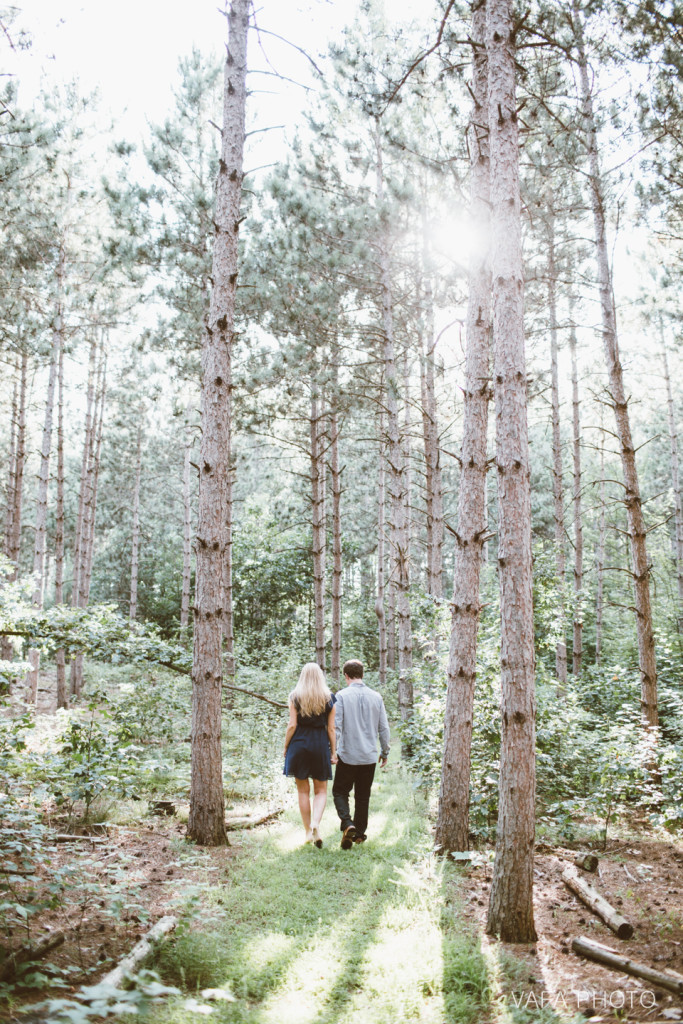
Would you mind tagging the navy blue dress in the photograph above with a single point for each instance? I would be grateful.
(308, 753)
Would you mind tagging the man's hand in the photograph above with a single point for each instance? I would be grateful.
(334, 758)
(383, 761)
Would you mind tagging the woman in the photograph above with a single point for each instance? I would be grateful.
(310, 745)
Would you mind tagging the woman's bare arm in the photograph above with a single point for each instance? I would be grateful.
(291, 726)
(332, 734)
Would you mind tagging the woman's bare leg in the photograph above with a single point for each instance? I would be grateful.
(319, 801)
(303, 790)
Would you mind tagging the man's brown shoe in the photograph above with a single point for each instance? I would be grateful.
(348, 837)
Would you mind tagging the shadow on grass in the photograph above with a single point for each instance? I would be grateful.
(295, 925)
(484, 981)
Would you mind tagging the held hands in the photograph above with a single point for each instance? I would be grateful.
(333, 758)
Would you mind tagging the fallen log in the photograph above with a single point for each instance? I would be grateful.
(592, 898)
(67, 838)
(27, 952)
(586, 861)
(232, 824)
(610, 958)
(139, 951)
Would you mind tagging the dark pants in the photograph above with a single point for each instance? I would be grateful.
(356, 777)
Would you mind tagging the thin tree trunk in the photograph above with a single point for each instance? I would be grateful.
(430, 430)
(60, 658)
(76, 669)
(43, 484)
(452, 828)
(577, 642)
(335, 473)
(135, 547)
(187, 537)
(12, 469)
(675, 482)
(14, 550)
(600, 560)
(206, 822)
(6, 648)
(318, 524)
(397, 484)
(381, 526)
(636, 525)
(87, 546)
(510, 913)
(558, 490)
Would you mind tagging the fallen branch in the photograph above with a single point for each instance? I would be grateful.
(587, 861)
(232, 824)
(68, 838)
(27, 952)
(610, 958)
(257, 696)
(592, 898)
(139, 951)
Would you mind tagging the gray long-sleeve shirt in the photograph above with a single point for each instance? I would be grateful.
(360, 717)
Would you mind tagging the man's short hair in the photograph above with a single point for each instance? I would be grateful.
(353, 669)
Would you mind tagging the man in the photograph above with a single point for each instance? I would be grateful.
(360, 719)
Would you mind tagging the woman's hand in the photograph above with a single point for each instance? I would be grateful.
(333, 758)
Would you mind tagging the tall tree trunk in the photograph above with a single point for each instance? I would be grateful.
(636, 525)
(14, 548)
(206, 822)
(381, 527)
(318, 523)
(335, 473)
(60, 658)
(76, 669)
(558, 490)
(510, 913)
(135, 547)
(12, 468)
(577, 642)
(452, 828)
(399, 536)
(430, 431)
(41, 501)
(87, 545)
(675, 482)
(187, 537)
(6, 649)
(600, 559)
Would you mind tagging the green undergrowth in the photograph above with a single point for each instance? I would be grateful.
(374, 934)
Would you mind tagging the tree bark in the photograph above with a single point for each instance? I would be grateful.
(600, 558)
(43, 484)
(60, 658)
(336, 477)
(187, 537)
(675, 483)
(14, 548)
(135, 546)
(430, 431)
(318, 524)
(634, 509)
(381, 527)
(399, 535)
(452, 829)
(76, 670)
(577, 624)
(510, 913)
(206, 819)
(558, 490)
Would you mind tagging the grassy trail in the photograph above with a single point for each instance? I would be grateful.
(307, 936)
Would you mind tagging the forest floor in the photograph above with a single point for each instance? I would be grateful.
(384, 933)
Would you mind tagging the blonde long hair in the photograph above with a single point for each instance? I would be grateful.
(311, 693)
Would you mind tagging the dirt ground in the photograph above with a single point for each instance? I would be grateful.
(642, 879)
(130, 877)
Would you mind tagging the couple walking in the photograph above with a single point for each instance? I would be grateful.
(340, 729)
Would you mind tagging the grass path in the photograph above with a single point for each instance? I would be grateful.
(305, 936)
